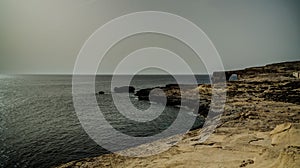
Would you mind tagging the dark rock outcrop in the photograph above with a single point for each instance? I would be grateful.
(124, 89)
(180, 96)
(143, 94)
(101, 92)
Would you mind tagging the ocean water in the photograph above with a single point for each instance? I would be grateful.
(39, 126)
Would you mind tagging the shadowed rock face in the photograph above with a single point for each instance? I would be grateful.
(143, 94)
(173, 93)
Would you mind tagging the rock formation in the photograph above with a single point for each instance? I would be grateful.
(124, 89)
(260, 126)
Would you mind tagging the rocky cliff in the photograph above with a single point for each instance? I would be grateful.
(260, 126)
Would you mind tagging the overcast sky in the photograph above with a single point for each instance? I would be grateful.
(45, 36)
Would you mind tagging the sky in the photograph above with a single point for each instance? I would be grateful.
(45, 36)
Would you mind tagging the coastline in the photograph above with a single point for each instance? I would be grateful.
(259, 128)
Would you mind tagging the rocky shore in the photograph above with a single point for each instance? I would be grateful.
(260, 126)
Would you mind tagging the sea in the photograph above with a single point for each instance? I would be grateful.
(39, 126)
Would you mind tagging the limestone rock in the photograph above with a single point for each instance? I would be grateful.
(286, 134)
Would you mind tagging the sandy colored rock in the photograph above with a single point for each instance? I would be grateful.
(287, 134)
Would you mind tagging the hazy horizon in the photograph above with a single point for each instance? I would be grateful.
(45, 37)
(148, 73)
